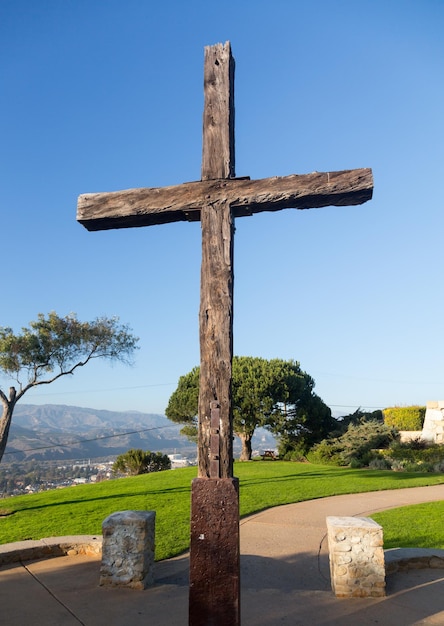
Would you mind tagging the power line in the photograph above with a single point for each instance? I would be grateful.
(72, 444)
(143, 430)
(65, 393)
(354, 406)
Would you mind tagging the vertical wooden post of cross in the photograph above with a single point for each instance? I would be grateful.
(214, 558)
(216, 286)
(215, 200)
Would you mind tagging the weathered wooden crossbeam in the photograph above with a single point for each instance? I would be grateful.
(216, 200)
(161, 205)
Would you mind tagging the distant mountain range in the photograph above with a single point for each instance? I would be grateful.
(58, 432)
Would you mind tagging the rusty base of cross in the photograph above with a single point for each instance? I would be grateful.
(214, 557)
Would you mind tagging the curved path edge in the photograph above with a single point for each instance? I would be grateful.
(355, 505)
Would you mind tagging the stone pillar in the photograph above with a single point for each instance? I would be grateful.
(433, 427)
(356, 557)
(128, 550)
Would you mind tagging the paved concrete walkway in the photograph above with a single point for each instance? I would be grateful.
(284, 569)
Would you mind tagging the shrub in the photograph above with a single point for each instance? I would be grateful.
(292, 450)
(405, 417)
(297, 456)
(135, 462)
(353, 447)
(407, 451)
(417, 443)
(378, 462)
(397, 465)
(420, 466)
(415, 456)
(327, 452)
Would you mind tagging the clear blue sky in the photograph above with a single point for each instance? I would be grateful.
(101, 96)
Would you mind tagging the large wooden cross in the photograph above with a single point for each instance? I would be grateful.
(216, 200)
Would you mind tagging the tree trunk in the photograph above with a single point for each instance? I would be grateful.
(246, 446)
(5, 420)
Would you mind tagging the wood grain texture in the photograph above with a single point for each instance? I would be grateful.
(216, 283)
(161, 205)
(218, 116)
(216, 335)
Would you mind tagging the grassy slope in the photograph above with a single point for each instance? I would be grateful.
(418, 526)
(81, 509)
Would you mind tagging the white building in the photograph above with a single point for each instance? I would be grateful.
(177, 460)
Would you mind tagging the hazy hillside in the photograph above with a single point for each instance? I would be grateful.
(58, 432)
(68, 432)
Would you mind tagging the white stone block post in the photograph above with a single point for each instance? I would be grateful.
(128, 549)
(356, 557)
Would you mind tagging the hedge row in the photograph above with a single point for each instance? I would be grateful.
(404, 417)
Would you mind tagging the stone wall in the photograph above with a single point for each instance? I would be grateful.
(409, 435)
(72, 545)
(356, 557)
(433, 427)
(404, 559)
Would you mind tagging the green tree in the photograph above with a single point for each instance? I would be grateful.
(358, 417)
(136, 461)
(275, 394)
(52, 347)
(303, 426)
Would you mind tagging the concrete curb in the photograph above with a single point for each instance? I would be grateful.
(74, 545)
(396, 559)
(404, 559)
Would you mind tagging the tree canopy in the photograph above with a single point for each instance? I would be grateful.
(52, 347)
(275, 394)
(136, 461)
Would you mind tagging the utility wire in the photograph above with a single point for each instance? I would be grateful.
(135, 432)
(355, 406)
(72, 444)
(65, 393)
(143, 430)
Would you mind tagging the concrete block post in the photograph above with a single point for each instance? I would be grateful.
(128, 549)
(356, 557)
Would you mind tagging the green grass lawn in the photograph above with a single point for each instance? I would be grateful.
(81, 509)
(416, 526)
